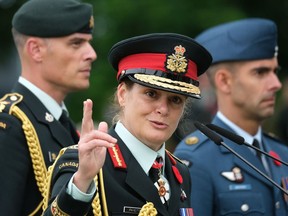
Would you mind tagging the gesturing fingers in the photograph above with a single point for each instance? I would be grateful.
(87, 121)
(103, 127)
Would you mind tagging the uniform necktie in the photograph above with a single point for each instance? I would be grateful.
(257, 145)
(67, 124)
(161, 185)
(64, 120)
(259, 156)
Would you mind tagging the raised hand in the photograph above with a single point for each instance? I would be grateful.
(92, 148)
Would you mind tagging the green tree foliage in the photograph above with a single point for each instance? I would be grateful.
(116, 20)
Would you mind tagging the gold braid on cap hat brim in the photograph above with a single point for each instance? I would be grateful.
(168, 83)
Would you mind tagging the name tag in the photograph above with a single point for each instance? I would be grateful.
(240, 187)
(131, 210)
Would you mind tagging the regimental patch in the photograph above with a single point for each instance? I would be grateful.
(177, 62)
(68, 164)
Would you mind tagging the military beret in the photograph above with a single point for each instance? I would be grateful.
(53, 18)
(246, 39)
(165, 61)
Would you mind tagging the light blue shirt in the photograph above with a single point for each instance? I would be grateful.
(248, 138)
(51, 105)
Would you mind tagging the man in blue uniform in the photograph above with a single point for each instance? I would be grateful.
(53, 41)
(244, 75)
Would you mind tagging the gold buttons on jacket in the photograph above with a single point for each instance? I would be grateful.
(191, 140)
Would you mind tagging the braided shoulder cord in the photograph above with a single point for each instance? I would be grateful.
(148, 210)
(38, 162)
(96, 201)
(49, 179)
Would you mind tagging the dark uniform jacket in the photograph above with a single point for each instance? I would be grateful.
(19, 193)
(126, 189)
(222, 184)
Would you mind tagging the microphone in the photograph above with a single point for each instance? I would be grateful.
(240, 140)
(219, 141)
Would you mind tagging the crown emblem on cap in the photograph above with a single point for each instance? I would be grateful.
(177, 62)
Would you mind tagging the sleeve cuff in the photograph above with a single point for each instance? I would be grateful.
(79, 195)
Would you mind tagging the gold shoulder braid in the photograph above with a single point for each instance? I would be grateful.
(10, 100)
(148, 210)
(48, 181)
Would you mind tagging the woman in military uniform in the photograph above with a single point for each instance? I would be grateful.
(156, 74)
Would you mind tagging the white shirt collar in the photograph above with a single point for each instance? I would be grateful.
(239, 131)
(143, 154)
(52, 106)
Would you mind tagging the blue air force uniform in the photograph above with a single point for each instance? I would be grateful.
(222, 184)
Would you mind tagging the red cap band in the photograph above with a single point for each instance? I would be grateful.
(154, 62)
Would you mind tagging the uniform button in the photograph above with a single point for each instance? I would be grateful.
(277, 205)
(245, 207)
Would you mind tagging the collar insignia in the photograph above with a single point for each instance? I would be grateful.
(117, 157)
(49, 117)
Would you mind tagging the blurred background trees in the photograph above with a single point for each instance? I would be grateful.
(118, 19)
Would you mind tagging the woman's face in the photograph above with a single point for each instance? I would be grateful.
(149, 114)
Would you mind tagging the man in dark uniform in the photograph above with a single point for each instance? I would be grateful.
(156, 74)
(53, 41)
(244, 75)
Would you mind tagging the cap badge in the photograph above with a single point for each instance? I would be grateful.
(91, 22)
(176, 62)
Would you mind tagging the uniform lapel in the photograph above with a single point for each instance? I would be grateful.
(137, 179)
(175, 190)
(245, 152)
(42, 115)
(277, 172)
(141, 184)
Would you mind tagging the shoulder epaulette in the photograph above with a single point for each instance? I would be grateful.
(273, 136)
(195, 138)
(8, 101)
